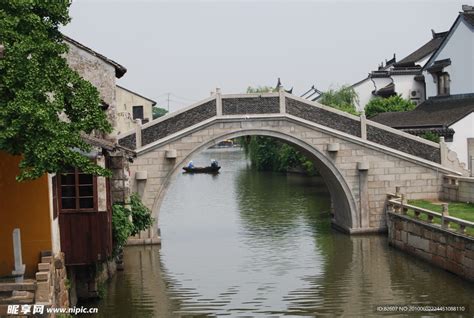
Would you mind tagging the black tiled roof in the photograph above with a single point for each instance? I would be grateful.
(440, 131)
(386, 91)
(376, 74)
(153, 103)
(438, 65)
(428, 48)
(468, 17)
(434, 112)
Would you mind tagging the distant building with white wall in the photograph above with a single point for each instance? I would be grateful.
(449, 80)
(403, 77)
(132, 106)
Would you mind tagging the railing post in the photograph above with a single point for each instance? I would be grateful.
(363, 126)
(19, 270)
(443, 151)
(472, 166)
(445, 213)
(218, 102)
(403, 210)
(389, 206)
(138, 133)
(281, 91)
(430, 218)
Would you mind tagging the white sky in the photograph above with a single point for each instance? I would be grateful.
(188, 48)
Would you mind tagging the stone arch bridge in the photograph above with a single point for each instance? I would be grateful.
(360, 160)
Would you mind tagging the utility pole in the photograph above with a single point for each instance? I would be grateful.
(168, 100)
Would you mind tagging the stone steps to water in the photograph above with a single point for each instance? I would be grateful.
(26, 285)
(17, 297)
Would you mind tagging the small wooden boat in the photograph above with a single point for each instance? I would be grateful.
(202, 169)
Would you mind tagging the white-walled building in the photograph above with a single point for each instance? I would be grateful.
(403, 77)
(449, 80)
(132, 106)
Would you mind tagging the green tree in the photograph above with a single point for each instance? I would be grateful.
(431, 136)
(45, 106)
(158, 112)
(261, 89)
(270, 154)
(391, 104)
(343, 99)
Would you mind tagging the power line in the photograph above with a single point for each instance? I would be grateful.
(176, 96)
(189, 99)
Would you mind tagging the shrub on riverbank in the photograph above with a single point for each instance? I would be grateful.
(129, 222)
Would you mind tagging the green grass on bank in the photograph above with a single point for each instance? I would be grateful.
(458, 210)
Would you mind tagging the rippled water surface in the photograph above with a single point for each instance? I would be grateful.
(246, 243)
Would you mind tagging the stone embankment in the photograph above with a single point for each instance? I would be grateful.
(437, 244)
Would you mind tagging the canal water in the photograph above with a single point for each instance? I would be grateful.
(246, 243)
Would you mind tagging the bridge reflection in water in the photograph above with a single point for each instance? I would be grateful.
(248, 243)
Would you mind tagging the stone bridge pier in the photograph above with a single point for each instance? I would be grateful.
(360, 160)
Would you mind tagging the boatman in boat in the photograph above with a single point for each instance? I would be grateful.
(191, 164)
(214, 163)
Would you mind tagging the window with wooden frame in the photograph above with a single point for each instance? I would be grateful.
(77, 191)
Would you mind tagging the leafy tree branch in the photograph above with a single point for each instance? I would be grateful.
(45, 106)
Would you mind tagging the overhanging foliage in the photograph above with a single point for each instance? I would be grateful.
(44, 104)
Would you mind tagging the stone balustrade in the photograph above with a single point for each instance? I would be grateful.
(397, 205)
(438, 244)
(457, 188)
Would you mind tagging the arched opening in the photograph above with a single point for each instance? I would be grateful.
(343, 203)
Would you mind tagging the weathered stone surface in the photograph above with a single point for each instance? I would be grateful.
(404, 144)
(129, 141)
(250, 105)
(441, 250)
(179, 122)
(323, 117)
(58, 263)
(44, 267)
(454, 267)
(418, 242)
(42, 276)
(452, 255)
(47, 259)
(43, 290)
(98, 72)
(439, 261)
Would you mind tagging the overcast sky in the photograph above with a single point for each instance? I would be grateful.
(188, 48)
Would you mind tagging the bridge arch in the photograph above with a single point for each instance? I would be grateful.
(366, 160)
(343, 202)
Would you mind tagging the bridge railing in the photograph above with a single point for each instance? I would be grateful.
(228, 106)
(397, 204)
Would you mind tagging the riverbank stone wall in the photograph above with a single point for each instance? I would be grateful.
(451, 251)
